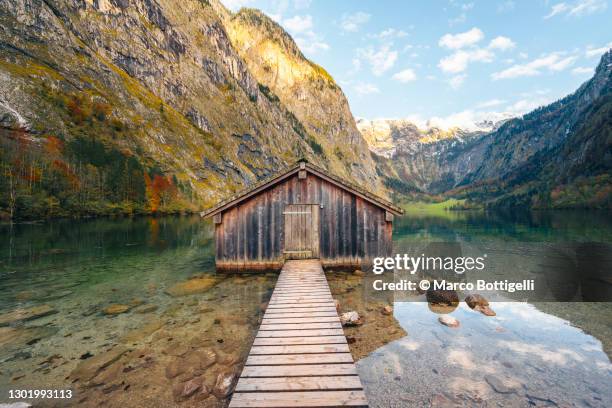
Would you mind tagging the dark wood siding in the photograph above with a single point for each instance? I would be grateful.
(352, 230)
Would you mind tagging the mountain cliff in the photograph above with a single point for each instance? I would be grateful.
(149, 105)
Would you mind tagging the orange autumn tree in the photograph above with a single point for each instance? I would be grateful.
(159, 190)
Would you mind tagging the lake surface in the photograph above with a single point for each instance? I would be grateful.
(114, 332)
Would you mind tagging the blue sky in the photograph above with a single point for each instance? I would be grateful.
(455, 61)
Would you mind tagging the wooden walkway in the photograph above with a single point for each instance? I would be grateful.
(300, 357)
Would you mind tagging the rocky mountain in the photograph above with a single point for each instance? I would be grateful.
(556, 156)
(157, 105)
(428, 160)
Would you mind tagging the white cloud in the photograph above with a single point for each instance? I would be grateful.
(235, 5)
(551, 62)
(405, 76)
(456, 81)
(502, 43)
(380, 60)
(458, 61)
(311, 46)
(389, 33)
(366, 88)
(523, 106)
(577, 8)
(352, 22)
(583, 71)
(491, 103)
(298, 24)
(591, 52)
(461, 40)
(301, 28)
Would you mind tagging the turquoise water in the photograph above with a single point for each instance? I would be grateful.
(542, 352)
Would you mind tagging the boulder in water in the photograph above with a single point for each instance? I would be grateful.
(192, 286)
(485, 310)
(22, 315)
(448, 321)
(224, 384)
(351, 318)
(475, 299)
(89, 368)
(115, 309)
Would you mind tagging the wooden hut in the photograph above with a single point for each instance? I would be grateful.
(302, 212)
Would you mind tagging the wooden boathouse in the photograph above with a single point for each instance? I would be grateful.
(302, 212)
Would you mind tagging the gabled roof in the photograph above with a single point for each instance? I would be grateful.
(288, 172)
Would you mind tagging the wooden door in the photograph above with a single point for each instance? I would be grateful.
(301, 231)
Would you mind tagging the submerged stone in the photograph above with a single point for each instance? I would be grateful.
(448, 321)
(224, 384)
(387, 310)
(485, 310)
(350, 319)
(192, 286)
(89, 368)
(145, 309)
(499, 385)
(22, 315)
(186, 389)
(115, 309)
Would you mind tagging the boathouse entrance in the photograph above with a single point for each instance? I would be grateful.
(301, 231)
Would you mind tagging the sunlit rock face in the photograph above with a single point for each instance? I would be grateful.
(307, 91)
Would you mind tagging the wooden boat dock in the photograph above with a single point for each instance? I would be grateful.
(300, 357)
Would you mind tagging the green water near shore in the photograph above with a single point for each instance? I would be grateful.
(546, 353)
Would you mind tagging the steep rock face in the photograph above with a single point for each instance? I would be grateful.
(431, 160)
(156, 84)
(307, 90)
(544, 129)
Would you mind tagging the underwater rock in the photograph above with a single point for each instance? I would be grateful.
(88, 369)
(22, 315)
(142, 309)
(224, 384)
(448, 321)
(143, 331)
(115, 309)
(191, 286)
(175, 368)
(206, 358)
(499, 386)
(359, 272)
(475, 299)
(182, 391)
(485, 310)
(12, 337)
(387, 310)
(351, 318)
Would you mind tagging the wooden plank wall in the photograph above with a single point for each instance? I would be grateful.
(352, 230)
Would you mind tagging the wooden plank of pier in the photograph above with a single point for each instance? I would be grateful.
(300, 357)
